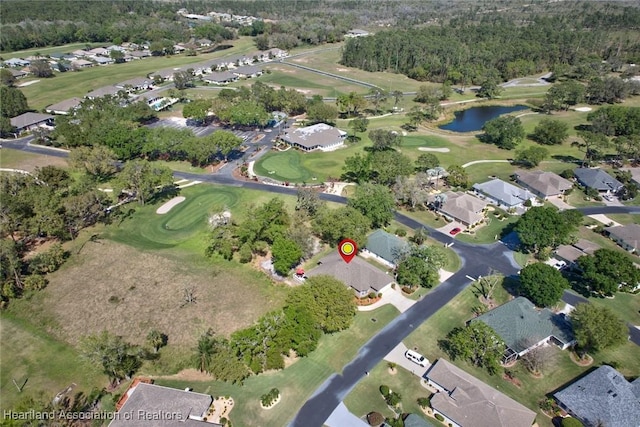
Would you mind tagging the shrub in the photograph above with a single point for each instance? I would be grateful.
(401, 232)
(567, 174)
(424, 402)
(384, 390)
(372, 295)
(375, 418)
(393, 398)
(571, 422)
(245, 253)
(439, 417)
(35, 282)
(269, 398)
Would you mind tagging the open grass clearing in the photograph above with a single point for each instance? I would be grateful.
(625, 219)
(559, 371)
(307, 82)
(298, 381)
(626, 306)
(16, 159)
(48, 366)
(488, 233)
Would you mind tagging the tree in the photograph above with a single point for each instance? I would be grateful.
(13, 102)
(606, 269)
(319, 112)
(489, 89)
(41, 68)
(182, 80)
(308, 201)
(97, 161)
(597, 327)
(397, 96)
(118, 358)
(329, 301)
(359, 124)
(6, 77)
(156, 340)
(542, 284)
(457, 176)
(563, 95)
(351, 103)
(420, 267)
(226, 142)
(286, 254)
(377, 96)
(479, 344)
(537, 357)
(196, 110)
(551, 132)
(375, 202)
(205, 349)
(426, 161)
(117, 56)
(532, 156)
(386, 166)
(506, 132)
(546, 227)
(6, 128)
(144, 179)
(334, 225)
(357, 168)
(384, 139)
(592, 144)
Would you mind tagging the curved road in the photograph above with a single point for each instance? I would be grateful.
(476, 260)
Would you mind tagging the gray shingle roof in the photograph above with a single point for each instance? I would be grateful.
(28, 119)
(521, 325)
(604, 396)
(463, 207)
(153, 405)
(358, 274)
(472, 403)
(385, 245)
(545, 183)
(598, 179)
(629, 234)
(64, 106)
(220, 77)
(506, 193)
(103, 91)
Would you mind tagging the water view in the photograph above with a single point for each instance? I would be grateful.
(474, 118)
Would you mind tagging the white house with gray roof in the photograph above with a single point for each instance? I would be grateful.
(504, 194)
(627, 236)
(320, 136)
(597, 179)
(604, 397)
(465, 401)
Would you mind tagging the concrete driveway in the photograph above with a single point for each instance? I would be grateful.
(391, 296)
(559, 203)
(450, 226)
(397, 356)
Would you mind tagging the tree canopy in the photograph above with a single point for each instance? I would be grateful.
(542, 284)
(606, 269)
(506, 132)
(551, 132)
(546, 227)
(375, 202)
(420, 266)
(597, 327)
(479, 344)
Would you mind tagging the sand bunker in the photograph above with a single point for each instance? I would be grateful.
(169, 205)
(438, 150)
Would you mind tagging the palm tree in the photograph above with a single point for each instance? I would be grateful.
(204, 352)
(156, 339)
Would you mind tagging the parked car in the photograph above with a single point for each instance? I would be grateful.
(416, 357)
(455, 231)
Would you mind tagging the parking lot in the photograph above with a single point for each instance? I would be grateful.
(200, 130)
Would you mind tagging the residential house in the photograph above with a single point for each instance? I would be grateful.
(248, 71)
(101, 60)
(103, 91)
(101, 51)
(317, 137)
(465, 401)
(543, 184)
(523, 327)
(166, 74)
(385, 248)
(504, 194)
(358, 274)
(16, 62)
(204, 42)
(415, 420)
(64, 107)
(220, 78)
(136, 84)
(459, 206)
(81, 63)
(275, 53)
(604, 397)
(138, 54)
(627, 236)
(148, 404)
(597, 179)
(356, 33)
(18, 74)
(80, 53)
(28, 121)
(570, 253)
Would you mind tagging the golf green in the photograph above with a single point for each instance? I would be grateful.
(283, 166)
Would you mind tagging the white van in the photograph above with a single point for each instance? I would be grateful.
(416, 358)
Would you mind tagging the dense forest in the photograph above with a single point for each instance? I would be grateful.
(462, 52)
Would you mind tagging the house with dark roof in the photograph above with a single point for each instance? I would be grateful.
(543, 184)
(16, 62)
(248, 71)
(153, 405)
(220, 78)
(385, 248)
(460, 206)
(136, 84)
(320, 136)
(627, 236)
(103, 91)
(523, 327)
(504, 194)
(18, 74)
(64, 107)
(570, 253)
(604, 397)
(28, 121)
(465, 401)
(358, 274)
(415, 420)
(597, 179)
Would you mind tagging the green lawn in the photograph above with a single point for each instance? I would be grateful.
(626, 306)
(16, 159)
(488, 233)
(43, 51)
(298, 381)
(46, 365)
(307, 82)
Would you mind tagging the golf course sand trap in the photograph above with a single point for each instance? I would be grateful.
(438, 150)
(169, 205)
(583, 109)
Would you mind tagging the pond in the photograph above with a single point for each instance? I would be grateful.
(472, 119)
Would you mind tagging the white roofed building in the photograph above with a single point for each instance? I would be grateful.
(320, 136)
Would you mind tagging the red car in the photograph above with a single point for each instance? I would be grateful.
(455, 231)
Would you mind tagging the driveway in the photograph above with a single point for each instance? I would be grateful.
(397, 356)
(559, 203)
(445, 229)
(391, 296)
(605, 220)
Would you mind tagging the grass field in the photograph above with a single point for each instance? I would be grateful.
(559, 371)
(307, 82)
(298, 381)
(44, 51)
(70, 84)
(16, 159)
(44, 364)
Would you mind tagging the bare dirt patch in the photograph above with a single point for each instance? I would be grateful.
(129, 292)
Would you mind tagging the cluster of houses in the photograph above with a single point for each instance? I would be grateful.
(221, 17)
